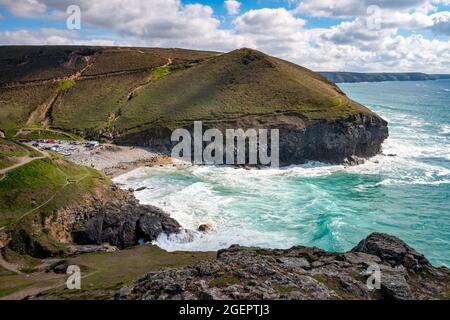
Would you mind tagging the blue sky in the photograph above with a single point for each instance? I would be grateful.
(345, 35)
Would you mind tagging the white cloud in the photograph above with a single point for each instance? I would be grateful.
(50, 37)
(268, 21)
(151, 18)
(24, 8)
(352, 8)
(441, 23)
(232, 6)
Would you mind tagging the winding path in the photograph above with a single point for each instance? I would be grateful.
(132, 92)
(22, 161)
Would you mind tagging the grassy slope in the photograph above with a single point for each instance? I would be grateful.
(16, 104)
(196, 86)
(27, 187)
(88, 103)
(32, 63)
(10, 151)
(91, 103)
(227, 88)
(33, 192)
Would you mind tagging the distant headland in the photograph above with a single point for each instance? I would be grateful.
(341, 77)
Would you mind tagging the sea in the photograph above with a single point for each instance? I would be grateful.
(404, 192)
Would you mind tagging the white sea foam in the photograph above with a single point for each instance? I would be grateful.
(266, 208)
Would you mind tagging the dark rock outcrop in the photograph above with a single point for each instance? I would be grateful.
(300, 273)
(122, 223)
(393, 251)
(341, 141)
(337, 141)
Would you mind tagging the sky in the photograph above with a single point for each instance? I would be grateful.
(323, 35)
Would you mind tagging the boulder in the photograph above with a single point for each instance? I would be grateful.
(122, 223)
(393, 251)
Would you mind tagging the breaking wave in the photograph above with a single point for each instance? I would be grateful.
(404, 191)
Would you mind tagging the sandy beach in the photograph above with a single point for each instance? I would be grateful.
(116, 160)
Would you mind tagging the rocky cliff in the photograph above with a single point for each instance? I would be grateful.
(121, 222)
(301, 139)
(114, 218)
(301, 273)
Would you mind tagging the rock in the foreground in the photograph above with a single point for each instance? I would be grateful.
(301, 273)
(122, 222)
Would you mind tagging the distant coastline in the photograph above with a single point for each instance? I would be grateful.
(352, 77)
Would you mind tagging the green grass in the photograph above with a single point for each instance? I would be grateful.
(5, 272)
(23, 261)
(106, 273)
(225, 88)
(16, 104)
(91, 103)
(32, 194)
(215, 88)
(284, 290)
(43, 133)
(159, 73)
(11, 150)
(64, 85)
(224, 281)
(31, 185)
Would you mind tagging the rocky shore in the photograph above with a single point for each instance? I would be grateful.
(300, 273)
(115, 160)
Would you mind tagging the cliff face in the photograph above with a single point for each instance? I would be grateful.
(301, 139)
(336, 141)
(301, 273)
(121, 222)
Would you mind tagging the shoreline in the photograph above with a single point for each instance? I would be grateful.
(114, 160)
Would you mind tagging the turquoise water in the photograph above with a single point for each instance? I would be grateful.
(331, 207)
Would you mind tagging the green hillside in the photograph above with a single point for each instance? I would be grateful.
(110, 91)
(32, 193)
(233, 85)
